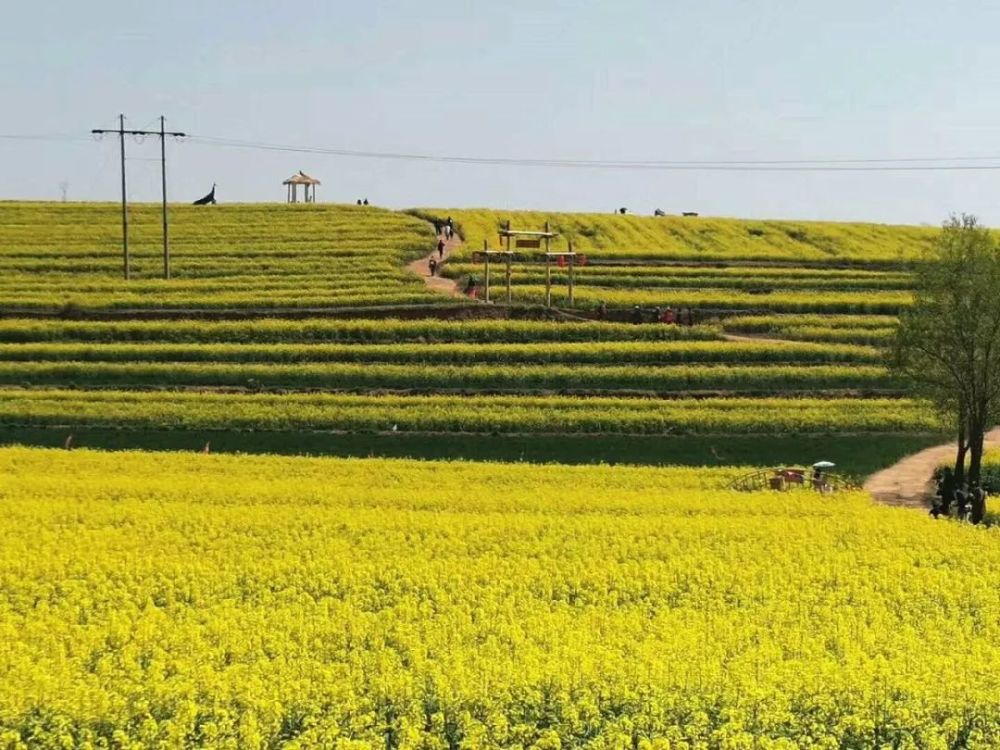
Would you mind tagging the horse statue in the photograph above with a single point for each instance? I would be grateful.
(210, 198)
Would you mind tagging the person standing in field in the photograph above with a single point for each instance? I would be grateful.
(946, 490)
(977, 502)
(961, 504)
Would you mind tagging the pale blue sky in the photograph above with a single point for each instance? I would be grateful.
(628, 80)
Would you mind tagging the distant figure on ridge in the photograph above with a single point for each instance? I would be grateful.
(210, 198)
(365, 202)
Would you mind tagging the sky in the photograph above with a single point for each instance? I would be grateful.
(633, 80)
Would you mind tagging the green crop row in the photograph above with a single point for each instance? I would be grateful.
(388, 331)
(715, 299)
(391, 295)
(607, 353)
(485, 414)
(873, 331)
(767, 323)
(877, 337)
(437, 377)
(664, 277)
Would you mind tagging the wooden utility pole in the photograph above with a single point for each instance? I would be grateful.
(121, 143)
(121, 132)
(486, 271)
(572, 262)
(163, 178)
(548, 269)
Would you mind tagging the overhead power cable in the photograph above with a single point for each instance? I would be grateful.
(864, 164)
(927, 163)
(43, 137)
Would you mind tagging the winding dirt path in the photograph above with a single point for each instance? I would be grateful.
(438, 284)
(907, 484)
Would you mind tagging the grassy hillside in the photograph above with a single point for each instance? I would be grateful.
(696, 238)
(55, 255)
(168, 600)
(447, 377)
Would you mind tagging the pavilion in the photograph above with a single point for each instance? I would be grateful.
(308, 185)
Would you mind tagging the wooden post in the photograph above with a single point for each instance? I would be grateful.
(486, 275)
(548, 269)
(508, 278)
(121, 141)
(548, 280)
(572, 262)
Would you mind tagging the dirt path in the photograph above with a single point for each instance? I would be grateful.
(438, 283)
(907, 483)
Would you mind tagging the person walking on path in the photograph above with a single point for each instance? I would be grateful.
(433, 266)
(440, 248)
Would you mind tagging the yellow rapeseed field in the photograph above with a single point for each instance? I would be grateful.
(169, 600)
(701, 238)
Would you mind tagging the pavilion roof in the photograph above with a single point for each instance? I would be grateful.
(301, 179)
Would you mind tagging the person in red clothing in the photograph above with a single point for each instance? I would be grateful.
(669, 316)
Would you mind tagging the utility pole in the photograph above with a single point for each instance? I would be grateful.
(163, 176)
(121, 132)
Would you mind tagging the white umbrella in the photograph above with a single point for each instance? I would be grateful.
(824, 465)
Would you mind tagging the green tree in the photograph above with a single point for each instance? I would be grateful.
(948, 342)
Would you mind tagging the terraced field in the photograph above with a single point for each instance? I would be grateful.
(807, 281)
(481, 377)
(57, 256)
(706, 239)
(873, 330)
(182, 598)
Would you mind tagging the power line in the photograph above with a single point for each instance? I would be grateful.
(913, 164)
(861, 164)
(40, 137)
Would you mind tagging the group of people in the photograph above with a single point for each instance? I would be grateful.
(446, 230)
(819, 480)
(362, 202)
(970, 504)
(682, 316)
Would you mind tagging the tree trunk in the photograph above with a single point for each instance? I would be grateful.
(976, 435)
(976, 496)
(963, 446)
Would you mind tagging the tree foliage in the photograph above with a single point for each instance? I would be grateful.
(948, 342)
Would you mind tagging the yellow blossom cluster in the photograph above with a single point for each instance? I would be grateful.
(159, 600)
